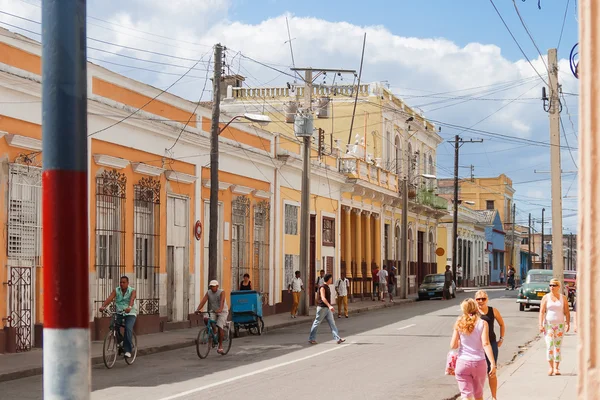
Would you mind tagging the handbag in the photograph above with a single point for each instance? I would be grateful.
(451, 362)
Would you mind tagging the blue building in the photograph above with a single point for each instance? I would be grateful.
(495, 236)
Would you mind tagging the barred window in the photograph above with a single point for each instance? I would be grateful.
(292, 264)
(328, 231)
(291, 219)
(240, 238)
(260, 265)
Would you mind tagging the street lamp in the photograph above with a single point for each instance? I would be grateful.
(214, 187)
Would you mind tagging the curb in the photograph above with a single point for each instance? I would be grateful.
(98, 360)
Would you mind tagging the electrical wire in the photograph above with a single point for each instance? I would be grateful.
(530, 36)
(563, 25)
(562, 126)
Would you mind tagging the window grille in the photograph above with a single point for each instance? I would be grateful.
(260, 267)
(292, 264)
(147, 244)
(110, 232)
(240, 239)
(328, 231)
(291, 219)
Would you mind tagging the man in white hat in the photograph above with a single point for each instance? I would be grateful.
(217, 304)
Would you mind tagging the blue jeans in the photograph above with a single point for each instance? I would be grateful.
(129, 322)
(323, 313)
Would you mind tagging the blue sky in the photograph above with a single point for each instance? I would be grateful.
(421, 48)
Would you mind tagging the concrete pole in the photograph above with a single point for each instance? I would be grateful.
(213, 233)
(305, 200)
(588, 279)
(455, 214)
(65, 229)
(555, 168)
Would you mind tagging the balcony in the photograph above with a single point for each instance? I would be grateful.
(356, 168)
(428, 198)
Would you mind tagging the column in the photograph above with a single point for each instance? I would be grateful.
(368, 243)
(347, 240)
(358, 242)
(377, 242)
(588, 279)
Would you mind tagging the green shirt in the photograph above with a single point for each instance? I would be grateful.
(122, 301)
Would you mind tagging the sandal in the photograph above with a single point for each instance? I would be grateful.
(557, 373)
(312, 341)
(220, 350)
(340, 341)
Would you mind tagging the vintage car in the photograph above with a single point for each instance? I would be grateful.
(433, 286)
(570, 278)
(534, 288)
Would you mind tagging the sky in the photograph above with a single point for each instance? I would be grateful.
(454, 60)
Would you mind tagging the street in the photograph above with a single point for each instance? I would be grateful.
(398, 352)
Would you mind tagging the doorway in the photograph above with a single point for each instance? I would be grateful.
(177, 258)
(420, 264)
(313, 255)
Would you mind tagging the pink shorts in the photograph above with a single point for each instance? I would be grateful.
(470, 376)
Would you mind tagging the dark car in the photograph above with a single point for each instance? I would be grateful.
(534, 288)
(433, 286)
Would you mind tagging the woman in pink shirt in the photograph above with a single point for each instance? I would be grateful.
(554, 319)
(471, 338)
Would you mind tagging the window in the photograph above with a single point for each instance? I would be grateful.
(260, 271)
(292, 264)
(489, 205)
(291, 219)
(240, 239)
(328, 231)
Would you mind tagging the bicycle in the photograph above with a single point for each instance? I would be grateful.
(208, 337)
(113, 342)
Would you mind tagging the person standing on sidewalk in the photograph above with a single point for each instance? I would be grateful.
(459, 275)
(375, 275)
(471, 338)
(295, 287)
(391, 283)
(318, 284)
(447, 282)
(555, 319)
(383, 282)
(489, 315)
(324, 311)
(341, 289)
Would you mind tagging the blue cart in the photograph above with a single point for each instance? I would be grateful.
(246, 312)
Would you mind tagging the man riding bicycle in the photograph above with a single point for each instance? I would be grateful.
(124, 298)
(217, 304)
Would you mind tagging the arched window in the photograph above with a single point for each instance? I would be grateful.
(388, 145)
(431, 171)
(398, 161)
(432, 255)
(410, 163)
(411, 245)
(398, 243)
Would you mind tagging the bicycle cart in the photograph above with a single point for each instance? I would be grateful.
(113, 343)
(246, 312)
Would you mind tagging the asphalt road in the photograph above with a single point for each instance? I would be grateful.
(398, 352)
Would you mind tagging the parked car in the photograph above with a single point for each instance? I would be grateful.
(534, 288)
(570, 278)
(433, 286)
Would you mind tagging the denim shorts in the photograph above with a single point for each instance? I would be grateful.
(495, 352)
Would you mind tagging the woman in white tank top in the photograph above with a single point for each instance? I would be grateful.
(554, 323)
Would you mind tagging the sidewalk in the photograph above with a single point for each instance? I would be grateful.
(527, 377)
(22, 365)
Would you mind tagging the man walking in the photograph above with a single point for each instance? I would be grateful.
(383, 282)
(341, 288)
(295, 287)
(391, 283)
(448, 278)
(375, 275)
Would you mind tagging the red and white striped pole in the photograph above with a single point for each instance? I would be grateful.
(65, 201)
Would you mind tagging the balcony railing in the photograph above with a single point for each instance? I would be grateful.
(428, 198)
(360, 169)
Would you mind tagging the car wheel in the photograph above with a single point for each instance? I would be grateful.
(521, 307)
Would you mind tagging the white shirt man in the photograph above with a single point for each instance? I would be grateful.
(383, 282)
(295, 286)
(341, 288)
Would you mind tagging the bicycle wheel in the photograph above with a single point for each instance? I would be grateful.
(109, 350)
(203, 343)
(131, 359)
(227, 339)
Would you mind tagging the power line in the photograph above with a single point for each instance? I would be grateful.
(563, 24)
(529, 34)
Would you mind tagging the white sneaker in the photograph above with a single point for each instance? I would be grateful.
(128, 355)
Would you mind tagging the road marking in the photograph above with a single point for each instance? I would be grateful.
(260, 371)
(406, 327)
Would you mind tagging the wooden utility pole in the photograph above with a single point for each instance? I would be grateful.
(512, 247)
(555, 168)
(529, 243)
(213, 232)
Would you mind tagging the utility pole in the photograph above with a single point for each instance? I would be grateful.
(458, 142)
(213, 233)
(555, 168)
(529, 243)
(404, 242)
(66, 360)
(512, 247)
(303, 128)
(543, 263)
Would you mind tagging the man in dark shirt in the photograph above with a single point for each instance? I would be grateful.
(448, 278)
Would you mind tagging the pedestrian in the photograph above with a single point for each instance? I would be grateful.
(489, 315)
(471, 338)
(459, 275)
(324, 311)
(511, 278)
(391, 283)
(295, 287)
(341, 289)
(245, 284)
(502, 277)
(375, 275)
(448, 278)
(318, 284)
(383, 282)
(554, 322)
